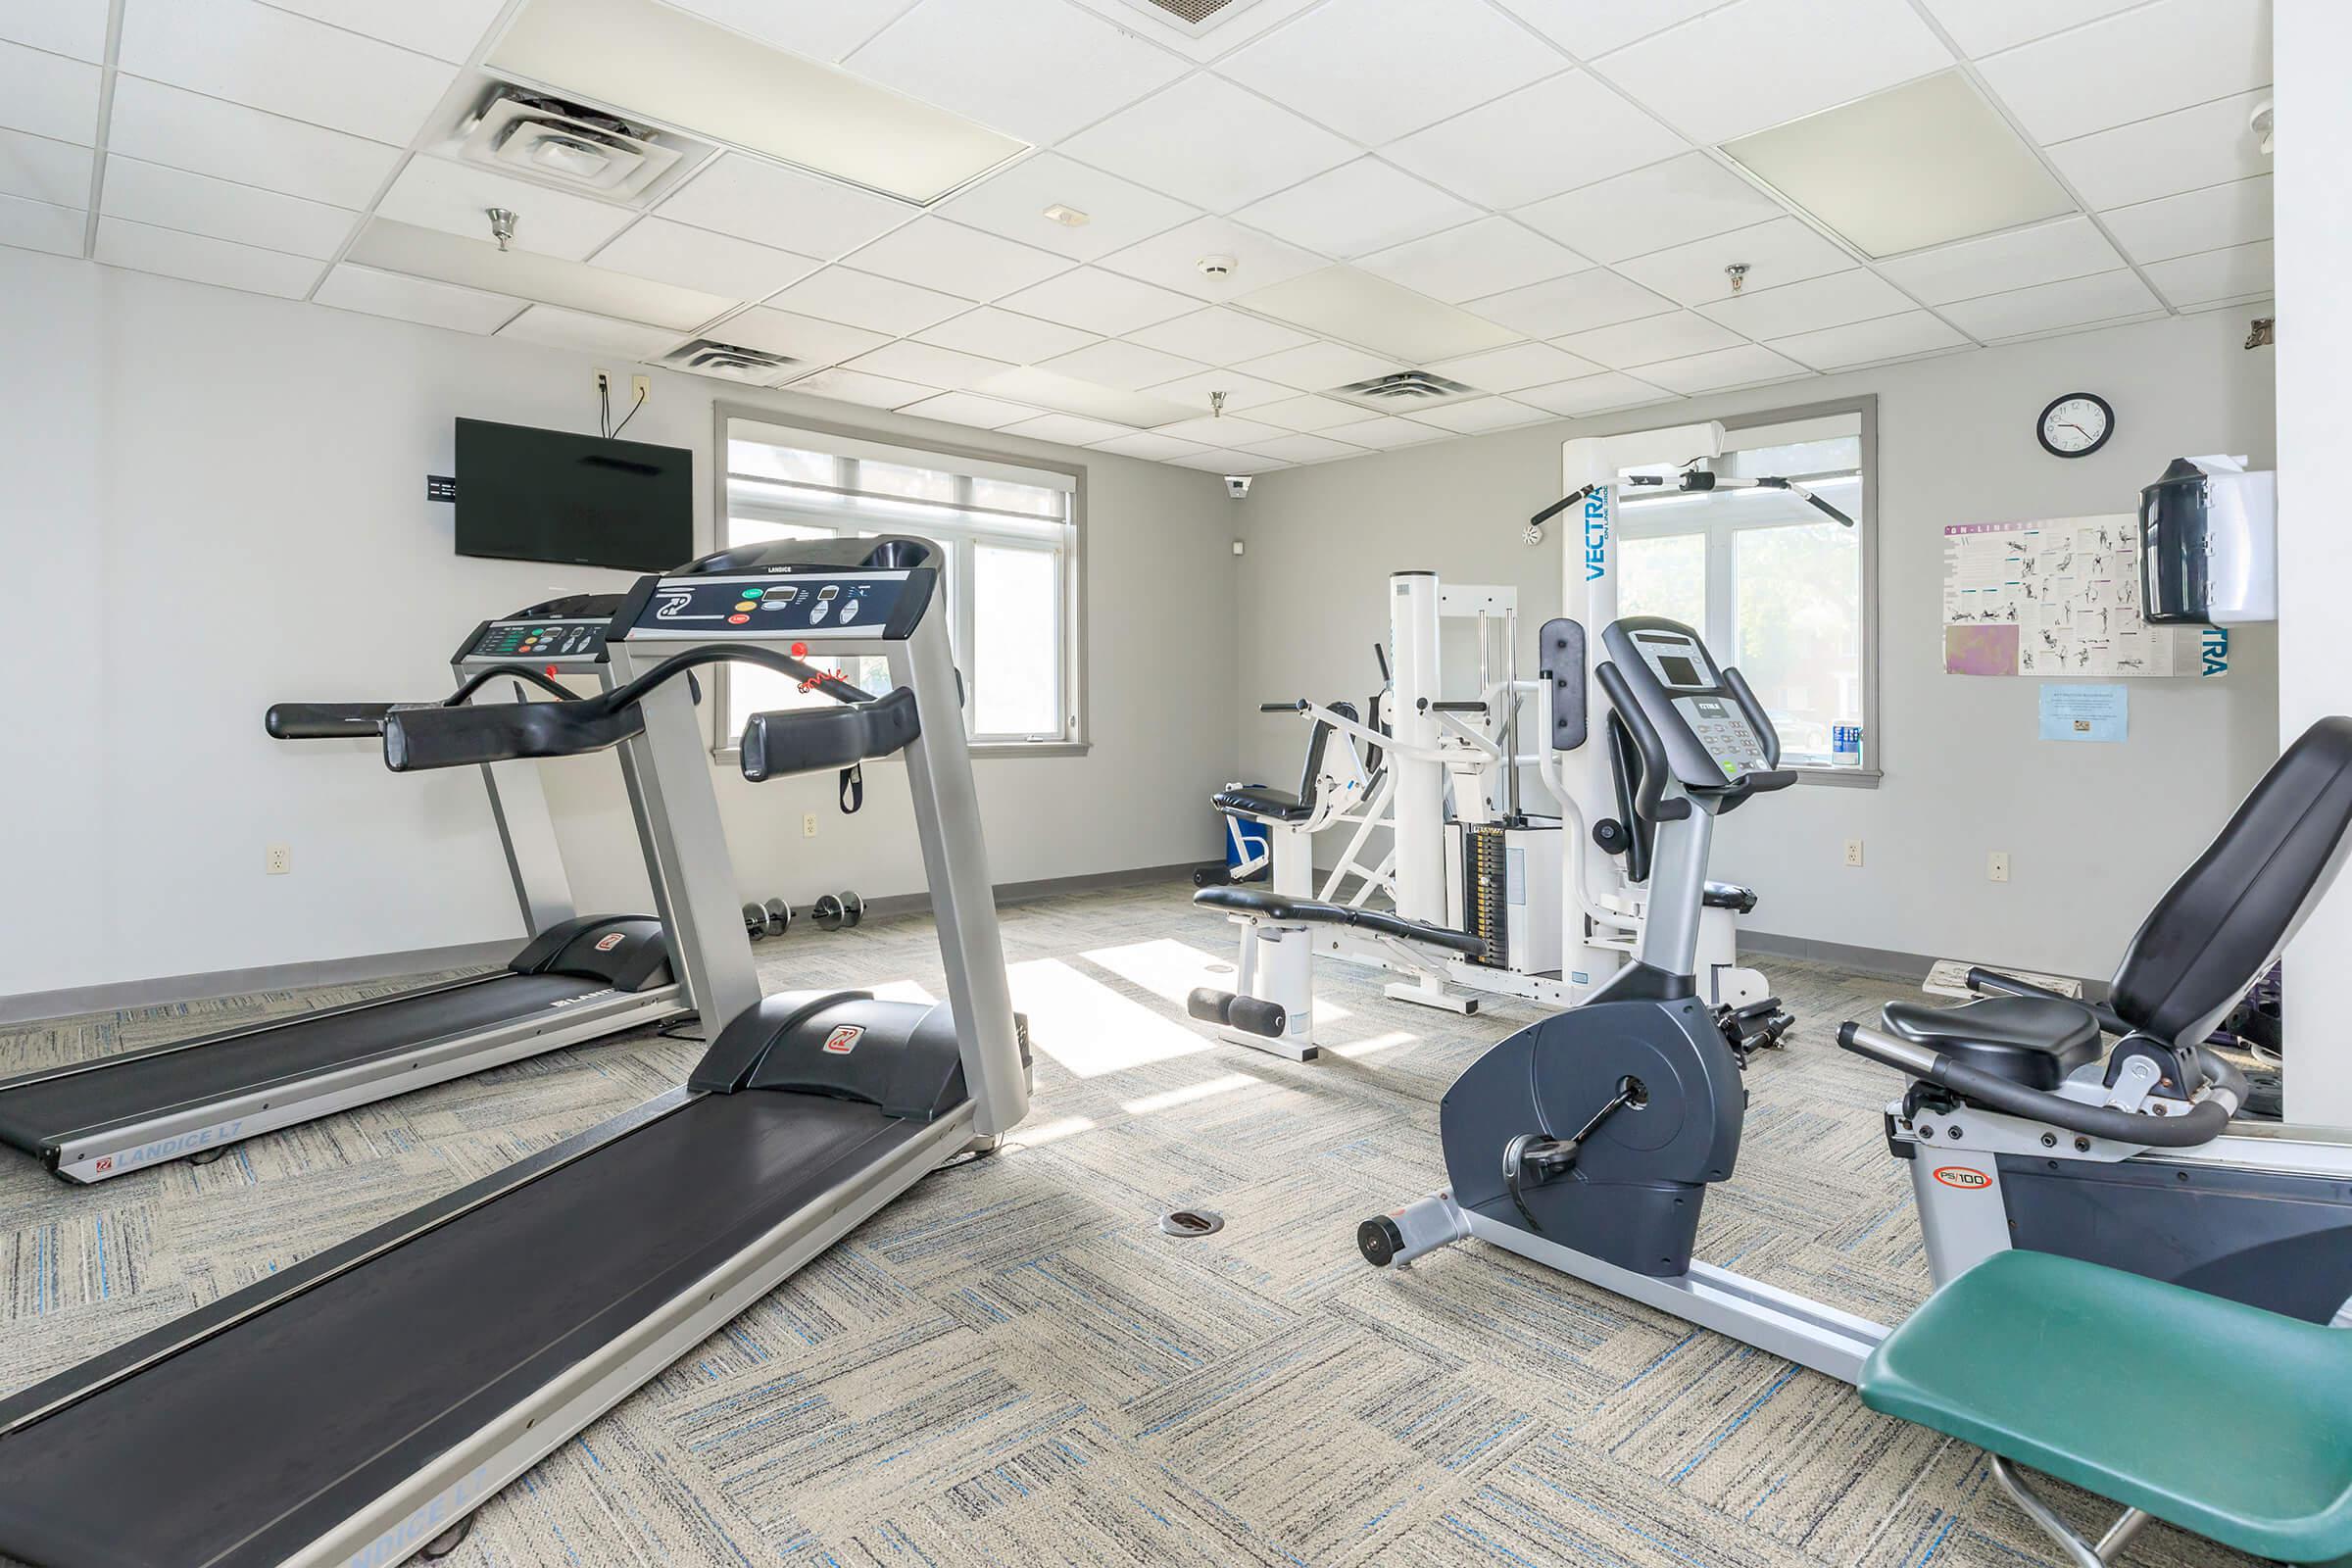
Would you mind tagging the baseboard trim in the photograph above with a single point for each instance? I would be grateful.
(34, 1006)
(1008, 893)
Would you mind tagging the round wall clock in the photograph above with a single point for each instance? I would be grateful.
(2076, 424)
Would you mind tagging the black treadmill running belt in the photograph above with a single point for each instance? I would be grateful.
(39, 1116)
(247, 1446)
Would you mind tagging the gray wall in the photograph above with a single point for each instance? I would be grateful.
(2094, 832)
(215, 499)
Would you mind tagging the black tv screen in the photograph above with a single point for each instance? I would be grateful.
(549, 495)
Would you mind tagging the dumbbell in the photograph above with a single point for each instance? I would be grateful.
(837, 912)
(764, 920)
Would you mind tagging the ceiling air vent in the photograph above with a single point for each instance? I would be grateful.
(1405, 389)
(569, 146)
(1192, 17)
(730, 360)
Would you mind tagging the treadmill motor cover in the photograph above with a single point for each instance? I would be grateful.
(627, 952)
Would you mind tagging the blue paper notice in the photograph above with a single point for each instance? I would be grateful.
(2086, 713)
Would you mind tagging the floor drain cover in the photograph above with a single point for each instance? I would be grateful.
(1192, 1222)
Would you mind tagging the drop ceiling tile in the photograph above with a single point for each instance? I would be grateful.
(229, 141)
(1216, 460)
(1097, 301)
(825, 31)
(1809, 307)
(1242, 393)
(1744, 366)
(1779, 253)
(1387, 431)
(1319, 367)
(1119, 213)
(2236, 273)
(1305, 448)
(1038, 69)
(932, 367)
(1650, 339)
(2235, 214)
(2188, 149)
(740, 195)
(1068, 430)
(969, 407)
(1590, 28)
(1593, 298)
(1222, 430)
(1519, 365)
(256, 55)
(1593, 394)
(1355, 208)
(1490, 256)
(1757, 63)
(434, 193)
(1005, 335)
(415, 299)
(1481, 414)
(804, 337)
(2077, 302)
(172, 198)
(856, 386)
(1090, 400)
(1511, 152)
(41, 226)
(560, 328)
(1983, 26)
(1173, 260)
(447, 29)
(145, 247)
(1890, 337)
(1666, 204)
(73, 27)
(48, 96)
(1129, 367)
(1376, 69)
(38, 169)
(2149, 61)
(1351, 306)
(699, 258)
(2046, 253)
(1219, 336)
(948, 256)
(1148, 444)
(1207, 142)
(1311, 414)
(877, 304)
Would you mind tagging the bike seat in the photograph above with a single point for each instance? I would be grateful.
(1262, 802)
(2034, 1041)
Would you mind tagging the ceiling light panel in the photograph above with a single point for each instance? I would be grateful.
(1220, 336)
(1307, 449)
(1593, 394)
(1151, 446)
(415, 299)
(2047, 252)
(1509, 369)
(209, 136)
(782, 208)
(1320, 366)
(1981, 27)
(1757, 63)
(1590, 28)
(1490, 256)
(970, 407)
(827, 31)
(1649, 339)
(434, 193)
(1173, 260)
(1890, 337)
(1207, 142)
(1127, 366)
(477, 264)
(1744, 366)
(698, 258)
(173, 198)
(867, 391)
(1013, 203)
(1097, 301)
(1068, 429)
(1311, 414)
(1482, 414)
(1038, 69)
(447, 29)
(2235, 214)
(1359, 207)
(2188, 149)
(1006, 335)
(2144, 61)
(144, 248)
(935, 253)
(1578, 303)
(558, 327)
(1220, 459)
(1377, 70)
(46, 96)
(1672, 202)
(2077, 302)
(288, 65)
(2241, 271)
(41, 226)
(648, 59)
(1390, 432)
(1512, 151)
(1855, 295)
(39, 169)
(75, 28)
(1783, 251)
(1921, 165)
(1065, 394)
(1355, 307)
(877, 304)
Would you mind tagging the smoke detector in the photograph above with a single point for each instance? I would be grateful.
(730, 362)
(570, 146)
(1404, 389)
(1216, 265)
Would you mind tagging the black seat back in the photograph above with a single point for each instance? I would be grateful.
(2219, 926)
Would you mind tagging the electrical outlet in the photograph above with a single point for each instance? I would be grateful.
(1853, 851)
(808, 825)
(641, 388)
(279, 860)
(603, 380)
(1996, 866)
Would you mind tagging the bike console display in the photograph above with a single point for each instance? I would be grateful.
(1712, 729)
(848, 603)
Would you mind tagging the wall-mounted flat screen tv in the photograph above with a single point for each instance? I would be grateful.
(549, 495)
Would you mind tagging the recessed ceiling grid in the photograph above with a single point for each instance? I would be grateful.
(1532, 198)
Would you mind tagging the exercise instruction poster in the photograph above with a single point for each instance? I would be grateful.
(2056, 598)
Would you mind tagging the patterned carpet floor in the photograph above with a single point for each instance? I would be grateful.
(1012, 1365)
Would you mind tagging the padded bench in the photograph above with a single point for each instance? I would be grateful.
(2222, 1419)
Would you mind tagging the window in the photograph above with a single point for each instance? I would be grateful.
(1008, 537)
(1775, 587)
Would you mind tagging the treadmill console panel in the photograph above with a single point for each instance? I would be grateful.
(553, 642)
(1707, 734)
(834, 604)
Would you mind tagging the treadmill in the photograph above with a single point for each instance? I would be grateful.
(578, 977)
(356, 1409)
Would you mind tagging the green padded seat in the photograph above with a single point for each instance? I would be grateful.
(2222, 1419)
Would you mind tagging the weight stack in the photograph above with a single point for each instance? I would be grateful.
(1486, 894)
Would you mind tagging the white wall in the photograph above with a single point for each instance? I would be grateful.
(2094, 832)
(215, 499)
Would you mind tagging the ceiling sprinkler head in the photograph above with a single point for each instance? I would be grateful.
(1216, 404)
(1216, 265)
(2263, 123)
(1738, 273)
(502, 226)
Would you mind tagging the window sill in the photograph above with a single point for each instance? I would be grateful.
(1849, 778)
(732, 755)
